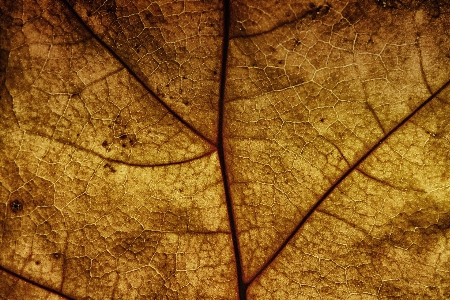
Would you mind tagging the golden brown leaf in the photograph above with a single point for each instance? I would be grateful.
(224, 150)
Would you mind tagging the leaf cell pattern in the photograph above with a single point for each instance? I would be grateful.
(165, 149)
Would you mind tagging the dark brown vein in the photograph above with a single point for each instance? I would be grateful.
(118, 161)
(388, 183)
(242, 287)
(20, 277)
(136, 77)
(340, 179)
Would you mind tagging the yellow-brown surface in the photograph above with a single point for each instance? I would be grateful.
(224, 150)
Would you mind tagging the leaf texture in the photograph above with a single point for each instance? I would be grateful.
(224, 150)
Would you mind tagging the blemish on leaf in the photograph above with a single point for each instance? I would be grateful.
(444, 222)
(105, 144)
(16, 206)
(432, 7)
(37, 262)
(318, 11)
(56, 255)
(127, 140)
(111, 168)
(353, 12)
(387, 3)
(118, 120)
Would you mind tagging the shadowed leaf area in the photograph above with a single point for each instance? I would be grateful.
(235, 149)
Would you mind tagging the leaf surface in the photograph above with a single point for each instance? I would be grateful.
(224, 150)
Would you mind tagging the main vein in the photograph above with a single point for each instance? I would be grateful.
(242, 287)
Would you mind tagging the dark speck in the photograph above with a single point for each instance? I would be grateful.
(105, 144)
(16, 206)
(38, 262)
(123, 136)
(56, 255)
(111, 168)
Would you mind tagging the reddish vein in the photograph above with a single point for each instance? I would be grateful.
(242, 287)
(340, 179)
(20, 277)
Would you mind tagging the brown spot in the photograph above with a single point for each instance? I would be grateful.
(318, 11)
(353, 12)
(56, 255)
(37, 262)
(127, 140)
(111, 168)
(16, 206)
(387, 3)
(105, 144)
(342, 24)
(444, 221)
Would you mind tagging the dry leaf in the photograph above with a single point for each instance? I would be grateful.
(224, 150)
